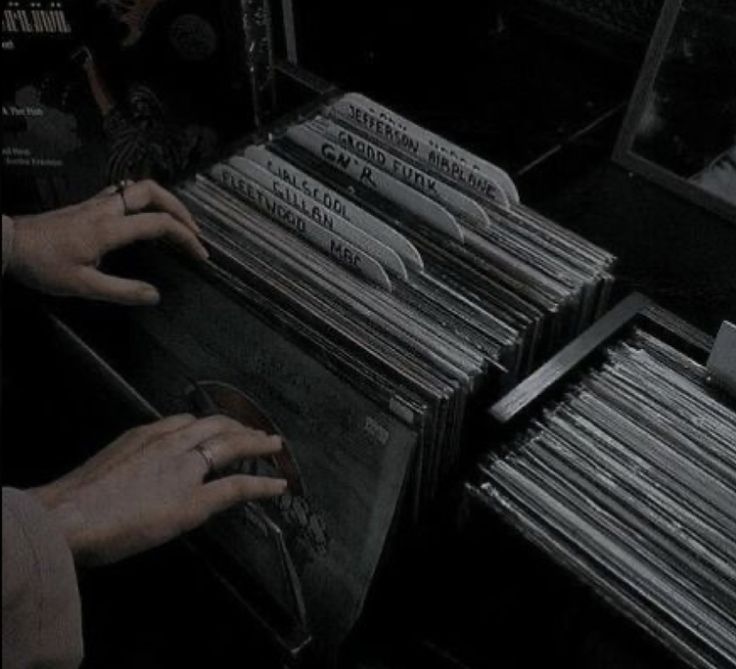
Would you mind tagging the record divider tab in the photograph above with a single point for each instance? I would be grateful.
(520, 402)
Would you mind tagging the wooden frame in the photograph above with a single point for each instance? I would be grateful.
(624, 152)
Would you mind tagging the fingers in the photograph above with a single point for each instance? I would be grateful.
(124, 230)
(223, 493)
(201, 431)
(97, 285)
(229, 448)
(225, 429)
(148, 193)
(112, 189)
(101, 203)
(141, 195)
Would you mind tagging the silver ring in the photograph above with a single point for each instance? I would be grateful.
(206, 456)
(120, 190)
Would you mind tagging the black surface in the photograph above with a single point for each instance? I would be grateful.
(477, 76)
(681, 256)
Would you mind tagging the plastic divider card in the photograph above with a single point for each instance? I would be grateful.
(308, 207)
(451, 161)
(310, 137)
(335, 204)
(343, 252)
(722, 360)
(464, 207)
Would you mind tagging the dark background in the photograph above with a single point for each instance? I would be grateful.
(540, 87)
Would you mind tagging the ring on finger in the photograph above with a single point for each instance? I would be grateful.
(120, 190)
(206, 454)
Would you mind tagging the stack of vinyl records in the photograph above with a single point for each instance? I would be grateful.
(428, 222)
(629, 480)
(386, 279)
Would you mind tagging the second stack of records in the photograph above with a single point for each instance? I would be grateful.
(629, 480)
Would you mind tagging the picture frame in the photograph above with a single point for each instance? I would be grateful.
(680, 127)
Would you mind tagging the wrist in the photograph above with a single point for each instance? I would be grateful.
(67, 517)
(16, 247)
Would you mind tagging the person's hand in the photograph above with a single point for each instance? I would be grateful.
(151, 485)
(58, 252)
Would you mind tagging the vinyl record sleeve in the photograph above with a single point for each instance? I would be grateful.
(96, 96)
(352, 454)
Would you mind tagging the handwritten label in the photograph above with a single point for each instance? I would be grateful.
(308, 207)
(309, 137)
(455, 163)
(340, 250)
(409, 174)
(337, 203)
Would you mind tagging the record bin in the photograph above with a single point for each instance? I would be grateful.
(534, 403)
(111, 346)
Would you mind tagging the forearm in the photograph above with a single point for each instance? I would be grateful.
(8, 233)
(41, 606)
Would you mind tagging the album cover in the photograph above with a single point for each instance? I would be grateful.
(92, 92)
(346, 457)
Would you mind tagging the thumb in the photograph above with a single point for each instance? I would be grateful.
(97, 285)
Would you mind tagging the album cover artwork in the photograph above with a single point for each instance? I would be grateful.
(315, 549)
(93, 92)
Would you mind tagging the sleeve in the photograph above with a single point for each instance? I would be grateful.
(8, 230)
(42, 621)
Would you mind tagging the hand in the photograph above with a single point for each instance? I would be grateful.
(148, 486)
(58, 252)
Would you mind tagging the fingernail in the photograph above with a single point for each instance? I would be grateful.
(151, 295)
(276, 440)
(204, 253)
(283, 484)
